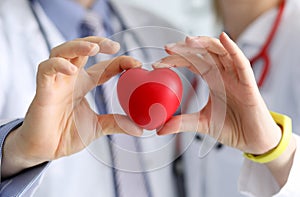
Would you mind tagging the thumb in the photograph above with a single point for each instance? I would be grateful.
(116, 123)
(186, 122)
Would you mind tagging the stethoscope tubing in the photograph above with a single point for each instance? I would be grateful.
(263, 53)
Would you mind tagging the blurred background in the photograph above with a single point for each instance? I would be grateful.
(195, 17)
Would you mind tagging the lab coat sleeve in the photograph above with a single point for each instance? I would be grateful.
(256, 180)
(24, 183)
(4, 76)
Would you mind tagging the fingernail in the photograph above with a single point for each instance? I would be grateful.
(225, 34)
(135, 130)
(191, 37)
(161, 133)
(73, 68)
(95, 49)
(170, 45)
(138, 63)
(161, 65)
(227, 37)
(109, 46)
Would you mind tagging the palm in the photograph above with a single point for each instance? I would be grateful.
(56, 100)
(60, 119)
(235, 103)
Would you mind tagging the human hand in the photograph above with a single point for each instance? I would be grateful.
(248, 125)
(59, 121)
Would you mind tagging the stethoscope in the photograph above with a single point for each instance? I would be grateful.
(110, 31)
(263, 55)
(107, 25)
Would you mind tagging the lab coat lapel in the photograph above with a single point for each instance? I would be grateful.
(35, 36)
(25, 32)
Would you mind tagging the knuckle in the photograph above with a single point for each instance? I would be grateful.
(51, 62)
(54, 52)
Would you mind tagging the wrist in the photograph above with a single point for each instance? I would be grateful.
(14, 158)
(272, 141)
(285, 126)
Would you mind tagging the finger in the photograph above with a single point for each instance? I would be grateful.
(240, 62)
(175, 61)
(183, 123)
(75, 48)
(193, 50)
(170, 48)
(210, 44)
(56, 65)
(183, 48)
(103, 71)
(87, 46)
(198, 63)
(116, 66)
(215, 48)
(212, 60)
(115, 123)
(106, 45)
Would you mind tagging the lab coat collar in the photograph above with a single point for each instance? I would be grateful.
(257, 32)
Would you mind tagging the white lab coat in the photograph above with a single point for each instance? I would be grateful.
(82, 174)
(22, 49)
(217, 174)
(280, 89)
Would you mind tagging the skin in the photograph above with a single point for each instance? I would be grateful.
(86, 3)
(248, 125)
(235, 21)
(247, 121)
(233, 17)
(59, 121)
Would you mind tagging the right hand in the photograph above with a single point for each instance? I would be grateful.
(248, 125)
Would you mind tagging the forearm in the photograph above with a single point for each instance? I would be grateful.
(13, 160)
(279, 157)
(279, 177)
(14, 181)
(280, 167)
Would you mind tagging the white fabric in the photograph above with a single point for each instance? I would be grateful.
(256, 179)
(280, 91)
(82, 174)
(131, 183)
(22, 49)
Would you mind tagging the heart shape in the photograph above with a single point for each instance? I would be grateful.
(149, 98)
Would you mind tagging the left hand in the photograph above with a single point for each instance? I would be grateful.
(248, 125)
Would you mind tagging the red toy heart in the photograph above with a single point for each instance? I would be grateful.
(149, 98)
